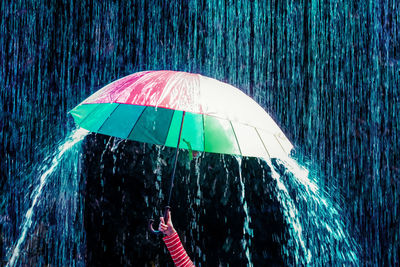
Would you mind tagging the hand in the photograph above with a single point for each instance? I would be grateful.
(166, 228)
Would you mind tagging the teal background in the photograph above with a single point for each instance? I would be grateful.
(327, 71)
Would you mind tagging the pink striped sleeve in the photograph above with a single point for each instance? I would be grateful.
(178, 253)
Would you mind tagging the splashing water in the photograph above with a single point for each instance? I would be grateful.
(317, 233)
(158, 172)
(312, 217)
(292, 217)
(115, 146)
(247, 231)
(75, 137)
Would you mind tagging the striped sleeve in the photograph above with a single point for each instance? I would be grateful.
(178, 253)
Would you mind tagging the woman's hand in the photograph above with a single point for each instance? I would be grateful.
(166, 228)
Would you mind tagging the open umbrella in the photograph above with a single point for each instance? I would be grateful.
(165, 107)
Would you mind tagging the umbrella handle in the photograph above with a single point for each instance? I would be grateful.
(166, 218)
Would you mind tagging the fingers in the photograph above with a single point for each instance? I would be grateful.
(169, 217)
(162, 227)
(166, 227)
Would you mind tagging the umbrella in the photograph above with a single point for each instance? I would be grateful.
(165, 107)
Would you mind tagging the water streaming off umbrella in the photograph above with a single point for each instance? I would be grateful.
(312, 222)
(64, 196)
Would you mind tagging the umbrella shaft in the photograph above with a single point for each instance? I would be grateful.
(176, 160)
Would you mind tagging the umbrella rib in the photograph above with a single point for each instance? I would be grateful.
(107, 117)
(237, 141)
(169, 127)
(130, 132)
(279, 143)
(204, 134)
(237, 121)
(90, 113)
(262, 141)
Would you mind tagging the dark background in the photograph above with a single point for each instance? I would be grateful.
(123, 193)
(327, 71)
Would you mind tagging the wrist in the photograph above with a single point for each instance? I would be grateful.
(169, 233)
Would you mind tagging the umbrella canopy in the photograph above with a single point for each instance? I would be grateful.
(148, 107)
